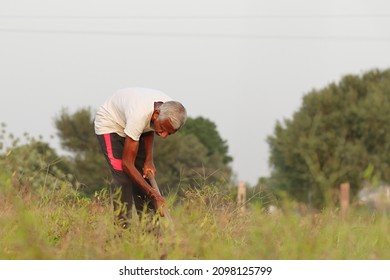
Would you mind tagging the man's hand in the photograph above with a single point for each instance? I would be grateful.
(158, 202)
(148, 168)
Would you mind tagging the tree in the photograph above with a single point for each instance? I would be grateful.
(335, 135)
(76, 133)
(182, 158)
(207, 133)
(33, 165)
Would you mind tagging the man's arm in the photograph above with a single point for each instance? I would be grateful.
(149, 163)
(128, 163)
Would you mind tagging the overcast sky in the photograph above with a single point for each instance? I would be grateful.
(243, 64)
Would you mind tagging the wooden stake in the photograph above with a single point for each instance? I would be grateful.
(344, 198)
(241, 197)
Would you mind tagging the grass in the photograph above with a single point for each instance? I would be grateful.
(63, 225)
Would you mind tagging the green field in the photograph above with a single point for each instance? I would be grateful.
(62, 224)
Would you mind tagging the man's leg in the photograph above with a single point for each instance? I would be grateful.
(124, 189)
(112, 148)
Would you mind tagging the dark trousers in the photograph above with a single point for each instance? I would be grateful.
(124, 191)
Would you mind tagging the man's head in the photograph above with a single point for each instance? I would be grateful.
(168, 118)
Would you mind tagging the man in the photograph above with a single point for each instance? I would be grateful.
(125, 126)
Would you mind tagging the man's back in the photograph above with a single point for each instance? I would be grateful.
(128, 112)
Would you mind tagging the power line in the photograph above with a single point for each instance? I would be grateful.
(200, 35)
(192, 17)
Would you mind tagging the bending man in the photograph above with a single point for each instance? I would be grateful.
(125, 126)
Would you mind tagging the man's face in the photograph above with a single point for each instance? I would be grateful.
(163, 128)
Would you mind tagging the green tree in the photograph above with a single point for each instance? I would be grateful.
(76, 133)
(207, 133)
(195, 155)
(182, 160)
(32, 165)
(335, 135)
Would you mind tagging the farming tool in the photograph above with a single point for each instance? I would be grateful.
(154, 185)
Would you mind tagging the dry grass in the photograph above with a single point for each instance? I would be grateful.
(207, 225)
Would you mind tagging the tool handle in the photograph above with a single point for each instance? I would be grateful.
(154, 185)
(153, 182)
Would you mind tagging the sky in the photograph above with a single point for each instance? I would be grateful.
(243, 64)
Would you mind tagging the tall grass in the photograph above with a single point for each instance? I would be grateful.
(61, 224)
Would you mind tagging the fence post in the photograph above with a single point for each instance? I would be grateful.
(241, 196)
(344, 198)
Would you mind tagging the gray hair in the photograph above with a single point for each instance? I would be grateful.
(175, 112)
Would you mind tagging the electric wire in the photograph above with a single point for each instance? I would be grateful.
(206, 17)
(200, 34)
